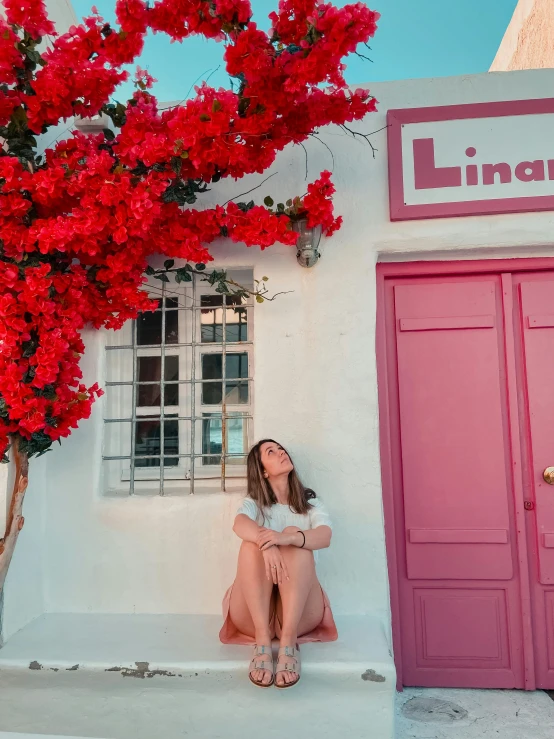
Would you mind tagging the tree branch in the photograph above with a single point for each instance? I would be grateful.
(364, 135)
(327, 147)
(306, 153)
(249, 191)
(15, 519)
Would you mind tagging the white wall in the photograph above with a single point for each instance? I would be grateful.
(315, 389)
(24, 587)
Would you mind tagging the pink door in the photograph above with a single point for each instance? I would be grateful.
(459, 577)
(466, 382)
(535, 295)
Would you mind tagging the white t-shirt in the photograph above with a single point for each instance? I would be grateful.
(279, 516)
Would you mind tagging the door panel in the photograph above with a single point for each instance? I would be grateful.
(481, 629)
(459, 581)
(536, 292)
(453, 446)
(537, 300)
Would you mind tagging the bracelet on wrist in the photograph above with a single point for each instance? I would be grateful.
(304, 539)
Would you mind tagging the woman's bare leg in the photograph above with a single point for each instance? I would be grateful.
(252, 601)
(300, 607)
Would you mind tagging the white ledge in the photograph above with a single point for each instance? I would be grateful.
(69, 674)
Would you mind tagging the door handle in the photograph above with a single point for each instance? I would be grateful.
(548, 475)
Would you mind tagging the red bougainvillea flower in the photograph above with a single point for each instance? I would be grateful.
(30, 15)
(80, 222)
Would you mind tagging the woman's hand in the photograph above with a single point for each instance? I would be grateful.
(268, 538)
(275, 567)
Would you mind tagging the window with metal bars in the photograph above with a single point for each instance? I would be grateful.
(178, 404)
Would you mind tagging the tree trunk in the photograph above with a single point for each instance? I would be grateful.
(15, 520)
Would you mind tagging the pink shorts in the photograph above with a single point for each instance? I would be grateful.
(325, 631)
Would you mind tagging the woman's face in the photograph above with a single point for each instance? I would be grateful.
(275, 460)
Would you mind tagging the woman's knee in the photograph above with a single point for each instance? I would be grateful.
(298, 553)
(250, 553)
(250, 547)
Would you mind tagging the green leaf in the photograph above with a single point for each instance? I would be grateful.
(216, 106)
(259, 299)
(168, 264)
(204, 118)
(183, 274)
(265, 279)
(200, 267)
(289, 202)
(176, 164)
(163, 277)
(268, 201)
(150, 271)
(108, 133)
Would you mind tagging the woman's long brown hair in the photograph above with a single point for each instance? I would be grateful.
(259, 489)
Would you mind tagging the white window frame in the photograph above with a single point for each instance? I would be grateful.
(119, 414)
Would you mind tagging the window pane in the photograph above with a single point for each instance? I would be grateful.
(148, 442)
(212, 439)
(236, 319)
(149, 325)
(171, 394)
(212, 368)
(149, 370)
(171, 369)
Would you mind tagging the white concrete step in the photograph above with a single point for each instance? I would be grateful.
(68, 674)
(11, 735)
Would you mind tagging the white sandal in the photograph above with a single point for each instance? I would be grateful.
(293, 652)
(259, 651)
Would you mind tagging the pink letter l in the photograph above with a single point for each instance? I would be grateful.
(426, 175)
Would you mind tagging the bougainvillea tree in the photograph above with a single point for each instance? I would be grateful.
(79, 223)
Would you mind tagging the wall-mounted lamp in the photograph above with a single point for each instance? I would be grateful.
(95, 124)
(308, 241)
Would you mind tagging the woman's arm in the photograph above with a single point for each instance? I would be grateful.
(318, 538)
(245, 528)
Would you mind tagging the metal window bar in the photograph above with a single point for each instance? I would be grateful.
(224, 390)
(193, 381)
(162, 394)
(189, 343)
(180, 455)
(134, 331)
(193, 387)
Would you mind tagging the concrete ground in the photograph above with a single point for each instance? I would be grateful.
(428, 713)
(116, 677)
(111, 706)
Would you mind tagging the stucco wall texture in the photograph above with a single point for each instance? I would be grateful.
(315, 390)
(529, 39)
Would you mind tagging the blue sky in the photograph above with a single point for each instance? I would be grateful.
(416, 38)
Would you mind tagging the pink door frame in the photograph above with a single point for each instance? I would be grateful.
(384, 373)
